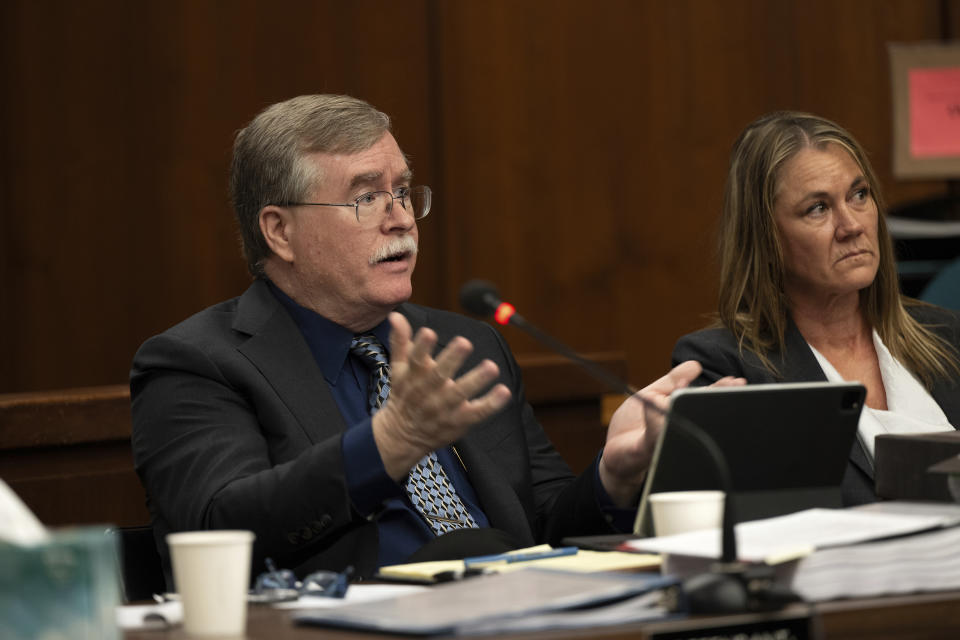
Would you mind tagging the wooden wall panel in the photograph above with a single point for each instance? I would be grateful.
(577, 149)
(115, 137)
(586, 144)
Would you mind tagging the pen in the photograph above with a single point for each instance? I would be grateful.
(520, 557)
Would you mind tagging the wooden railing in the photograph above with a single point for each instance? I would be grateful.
(66, 453)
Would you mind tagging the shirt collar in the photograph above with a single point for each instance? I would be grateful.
(329, 342)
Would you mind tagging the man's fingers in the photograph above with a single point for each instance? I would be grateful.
(682, 374)
(451, 358)
(428, 405)
(446, 363)
(485, 406)
(659, 401)
(729, 381)
(423, 344)
(477, 379)
(400, 333)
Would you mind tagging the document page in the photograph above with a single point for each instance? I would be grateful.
(485, 599)
(783, 538)
(18, 525)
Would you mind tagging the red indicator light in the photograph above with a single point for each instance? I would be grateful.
(504, 312)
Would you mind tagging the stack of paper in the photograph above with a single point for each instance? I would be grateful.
(823, 554)
(530, 600)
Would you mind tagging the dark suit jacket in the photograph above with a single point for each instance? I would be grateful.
(717, 351)
(234, 426)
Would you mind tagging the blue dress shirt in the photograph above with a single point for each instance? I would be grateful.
(402, 530)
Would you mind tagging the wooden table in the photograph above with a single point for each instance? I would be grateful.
(917, 617)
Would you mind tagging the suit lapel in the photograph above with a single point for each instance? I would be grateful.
(803, 366)
(798, 364)
(278, 350)
(499, 499)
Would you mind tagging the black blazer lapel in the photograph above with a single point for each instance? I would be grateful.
(798, 364)
(499, 501)
(278, 350)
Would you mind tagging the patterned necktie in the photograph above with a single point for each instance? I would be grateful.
(428, 487)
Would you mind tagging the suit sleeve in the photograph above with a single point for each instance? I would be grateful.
(566, 505)
(202, 449)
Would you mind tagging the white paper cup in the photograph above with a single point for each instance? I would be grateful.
(211, 570)
(681, 511)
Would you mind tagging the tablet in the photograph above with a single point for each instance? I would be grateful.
(786, 446)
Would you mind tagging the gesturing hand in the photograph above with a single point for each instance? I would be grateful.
(427, 407)
(635, 427)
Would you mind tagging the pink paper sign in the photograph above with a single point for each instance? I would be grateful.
(934, 112)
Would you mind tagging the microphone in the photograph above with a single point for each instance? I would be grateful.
(481, 298)
(731, 587)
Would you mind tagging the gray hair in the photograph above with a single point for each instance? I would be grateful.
(268, 156)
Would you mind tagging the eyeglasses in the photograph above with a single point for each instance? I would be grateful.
(369, 206)
(281, 585)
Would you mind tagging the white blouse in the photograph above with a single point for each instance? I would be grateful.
(910, 407)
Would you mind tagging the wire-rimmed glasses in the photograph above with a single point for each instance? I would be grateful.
(370, 206)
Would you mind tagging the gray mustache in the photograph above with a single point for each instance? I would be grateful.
(398, 246)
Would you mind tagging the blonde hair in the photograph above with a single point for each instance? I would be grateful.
(268, 156)
(752, 304)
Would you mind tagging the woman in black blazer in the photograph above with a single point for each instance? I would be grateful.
(809, 289)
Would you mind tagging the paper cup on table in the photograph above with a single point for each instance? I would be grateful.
(211, 570)
(682, 511)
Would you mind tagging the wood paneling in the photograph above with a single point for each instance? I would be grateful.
(115, 135)
(578, 150)
(587, 144)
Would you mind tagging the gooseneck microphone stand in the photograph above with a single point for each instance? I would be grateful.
(731, 586)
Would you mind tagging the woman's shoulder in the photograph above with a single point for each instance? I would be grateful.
(932, 316)
(714, 336)
(715, 348)
(721, 354)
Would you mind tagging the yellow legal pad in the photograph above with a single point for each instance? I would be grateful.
(584, 561)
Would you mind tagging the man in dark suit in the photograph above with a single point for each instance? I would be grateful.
(277, 411)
